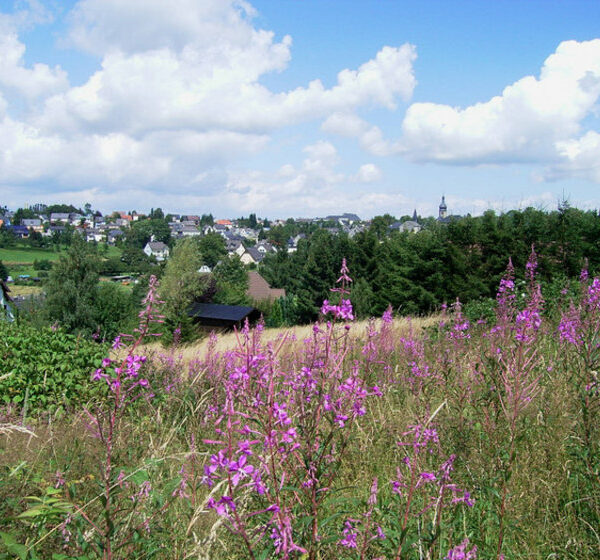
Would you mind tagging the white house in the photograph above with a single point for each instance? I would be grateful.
(252, 256)
(157, 249)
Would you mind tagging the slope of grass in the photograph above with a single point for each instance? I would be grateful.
(26, 255)
(511, 415)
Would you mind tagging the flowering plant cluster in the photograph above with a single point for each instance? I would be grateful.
(283, 427)
(277, 433)
(282, 431)
(126, 383)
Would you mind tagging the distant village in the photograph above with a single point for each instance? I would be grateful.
(246, 238)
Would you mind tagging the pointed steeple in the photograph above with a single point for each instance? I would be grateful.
(415, 217)
(443, 210)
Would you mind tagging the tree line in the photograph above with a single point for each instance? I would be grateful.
(417, 272)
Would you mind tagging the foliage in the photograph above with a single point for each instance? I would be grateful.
(7, 239)
(339, 441)
(113, 310)
(213, 249)
(181, 285)
(142, 231)
(417, 273)
(23, 214)
(42, 264)
(136, 260)
(72, 287)
(44, 369)
(231, 281)
(117, 265)
(63, 209)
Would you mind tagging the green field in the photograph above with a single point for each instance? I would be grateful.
(25, 255)
(19, 260)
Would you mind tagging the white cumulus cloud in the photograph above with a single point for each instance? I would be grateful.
(177, 98)
(368, 173)
(528, 122)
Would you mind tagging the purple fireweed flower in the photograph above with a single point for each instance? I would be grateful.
(223, 506)
(244, 446)
(464, 499)
(144, 490)
(342, 311)
(428, 477)
(506, 298)
(593, 294)
(121, 479)
(289, 436)
(344, 273)
(422, 436)
(240, 469)
(180, 491)
(64, 530)
(373, 494)
(460, 552)
(350, 535)
(398, 485)
(375, 390)
(345, 310)
(447, 468)
(341, 420)
(280, 413)
(569, 327)
(388, 316)
(528, 322)
(281, 535)
(133, 365)
(60, 479)
(531, 265)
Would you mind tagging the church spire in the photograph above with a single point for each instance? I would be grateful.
(443, 210)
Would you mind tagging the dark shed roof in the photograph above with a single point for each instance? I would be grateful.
(216, 315)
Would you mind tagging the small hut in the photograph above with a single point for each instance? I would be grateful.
(214, 316)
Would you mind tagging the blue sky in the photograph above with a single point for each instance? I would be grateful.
(300, 107)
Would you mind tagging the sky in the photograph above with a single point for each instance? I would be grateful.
(300, 108)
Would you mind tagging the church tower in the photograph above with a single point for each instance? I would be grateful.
(443, 209)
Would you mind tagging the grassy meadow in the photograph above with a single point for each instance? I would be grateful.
(26, 255)
(22, 255)
(431, 438)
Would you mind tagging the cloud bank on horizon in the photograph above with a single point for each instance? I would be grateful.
(175, 113)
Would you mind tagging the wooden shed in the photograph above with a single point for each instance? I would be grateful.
(221, 317)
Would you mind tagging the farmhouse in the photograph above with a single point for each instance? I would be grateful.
(252, 256)
(259, 290)
(157, 249)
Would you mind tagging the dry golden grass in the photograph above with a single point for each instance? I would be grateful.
(229, 341)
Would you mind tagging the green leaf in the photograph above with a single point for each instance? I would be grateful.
(139, 477)
(7, 538)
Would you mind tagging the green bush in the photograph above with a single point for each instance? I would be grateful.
(45, 369)
(481, 309)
